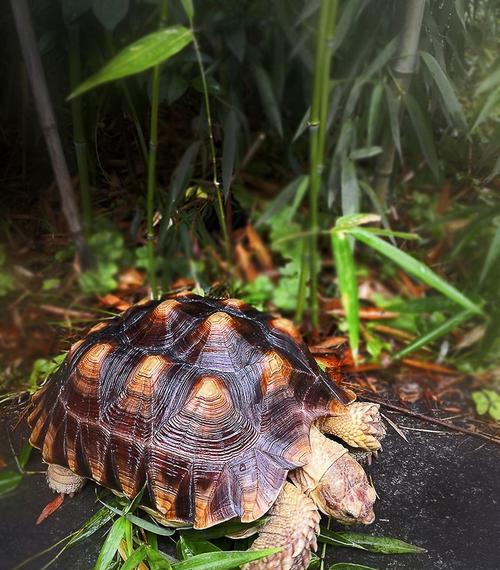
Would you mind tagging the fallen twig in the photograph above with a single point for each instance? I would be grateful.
(432, 420)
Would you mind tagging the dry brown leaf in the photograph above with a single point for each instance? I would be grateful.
(50, 508)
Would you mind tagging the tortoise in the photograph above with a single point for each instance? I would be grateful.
(220, 411)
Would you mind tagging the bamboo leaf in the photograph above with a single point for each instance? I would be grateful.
(346, 20)
(366, 152)
(346, 276)
(135, 558)
(304, 123)
(156, 560)
(223, 560)
(491, 104)
(292, 193)
(24, 454)
(350, 566)
(374, 112)
(491, 81)
(9, 480)
(143, 54)
(423, 132)
(110, 12)
(110, 546)
(414, 267)
(380, 544)
(224, 529)
(434, 334)
(188, 8)
(229, 150)
(393, 106)
(150, 526)
(268, 98)
(447, 91)
(189, 548)
(350, 194)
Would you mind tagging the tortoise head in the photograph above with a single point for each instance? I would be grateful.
(344, 492)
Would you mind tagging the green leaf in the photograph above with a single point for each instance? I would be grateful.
(349, 188)
(424, 133)
(380, 544)
(493, 252)
(365, 152)
(188, 8)
(223, 560)
(491, 104)
(24, 454)
(374, 111)
(92, 525)
(270, 105)
(189, 548)
(293, 192)
(157, 561)
(135, 558)
(110, 546)
(434, 334)
(110, 12)
(490, 82)
(224, 529)
(414, 267)
(143, 54)
(350, 566)
(150, 526)
(181, 178)
(346, 276)
(9, 480)
(448, 95)
(487, 401)
(229, 150)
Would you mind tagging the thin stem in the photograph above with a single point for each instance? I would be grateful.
(218, 192)
(79, 138)
(318, 124)
(153, 146)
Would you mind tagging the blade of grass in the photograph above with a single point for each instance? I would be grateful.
(414, 267)
(434, 334)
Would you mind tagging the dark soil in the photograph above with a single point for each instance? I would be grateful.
(440, 492)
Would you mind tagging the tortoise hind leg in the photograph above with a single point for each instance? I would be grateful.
(293, 525)
(359, 426)
(62, 480)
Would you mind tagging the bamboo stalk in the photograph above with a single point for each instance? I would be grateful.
(403, 70)
(79, 138)
(317, 126)
(153, 146)
(48, 125)
(217, 186)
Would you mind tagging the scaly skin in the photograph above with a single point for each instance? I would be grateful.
(62, 480)
(293, 525)
(360, 426)
(332, 481)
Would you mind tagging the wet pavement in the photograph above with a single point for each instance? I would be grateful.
(438, 491)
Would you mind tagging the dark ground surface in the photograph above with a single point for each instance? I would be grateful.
(440, 492)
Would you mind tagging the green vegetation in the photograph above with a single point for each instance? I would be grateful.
(291, 163)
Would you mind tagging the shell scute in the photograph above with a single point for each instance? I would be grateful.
(208, 401)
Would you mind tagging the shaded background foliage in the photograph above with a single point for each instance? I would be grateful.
(259, 62)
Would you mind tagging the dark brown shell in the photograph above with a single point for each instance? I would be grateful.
(209, 401)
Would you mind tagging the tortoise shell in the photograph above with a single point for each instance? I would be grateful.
(209, 401)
